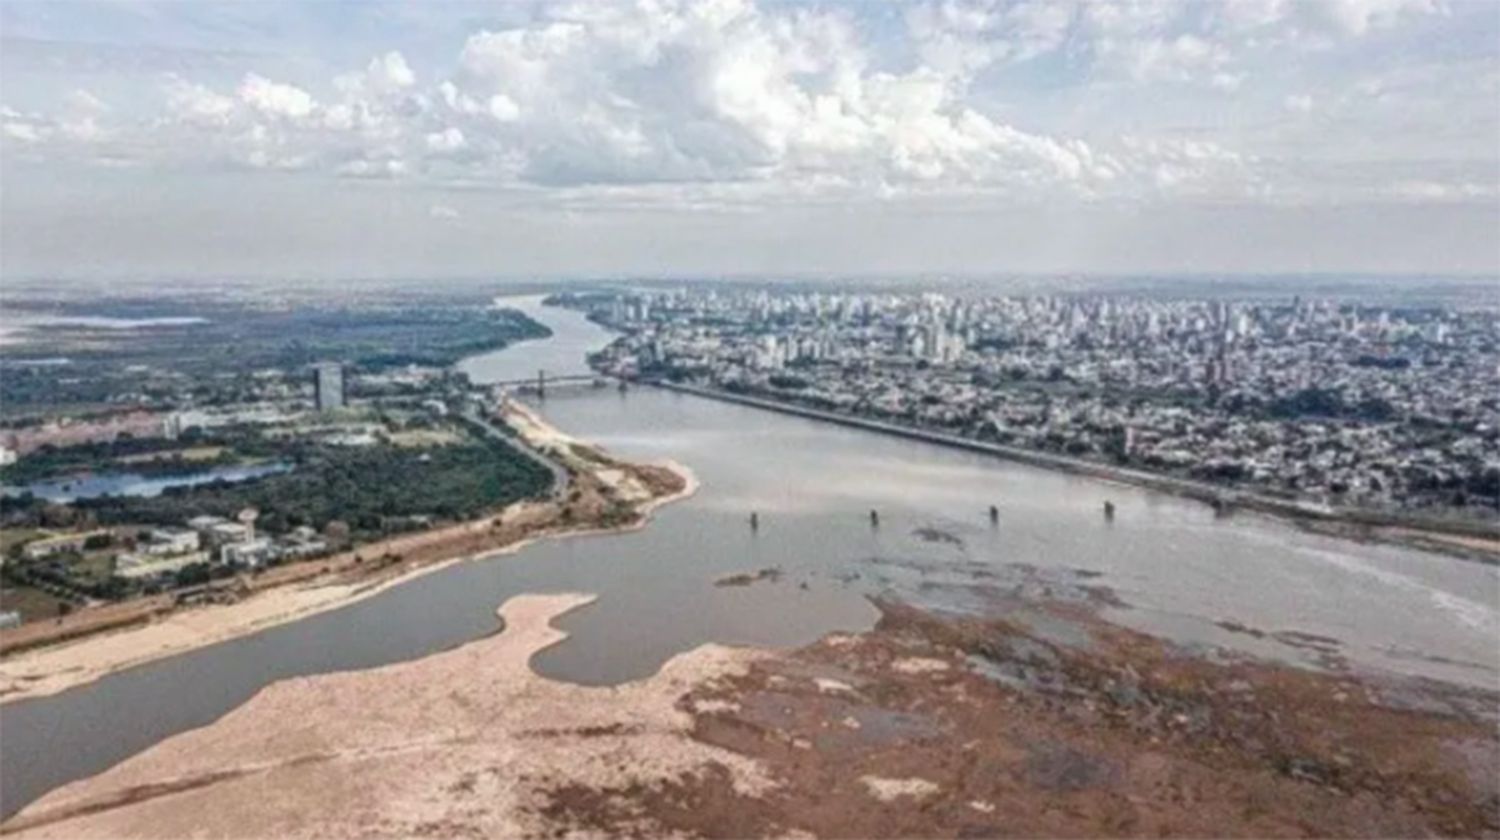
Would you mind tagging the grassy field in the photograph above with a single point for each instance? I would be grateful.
(11, 537)
(192, 453)
(32, 604)
(423, 438)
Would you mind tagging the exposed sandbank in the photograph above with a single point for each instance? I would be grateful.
(927, 725)
(461, 742)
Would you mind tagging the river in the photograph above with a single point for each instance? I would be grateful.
(1174, 567)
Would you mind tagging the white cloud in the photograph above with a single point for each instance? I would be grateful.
(732, 92)
(739, 101)
(1298, 103)
(1436, 191)
(76, 121)
(23, 130)
(275, 98)
(81, 101)
(385, 75)
(372, 168)
(503, 108)
(443, 212)
(1356, 17)
(197, 104)
(448, 140)
(1141, 40)
(1226, 82)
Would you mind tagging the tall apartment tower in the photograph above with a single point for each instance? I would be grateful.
(328, 385)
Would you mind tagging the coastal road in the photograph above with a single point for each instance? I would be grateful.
(562, 480)
(1186, 487)
(1189, 488)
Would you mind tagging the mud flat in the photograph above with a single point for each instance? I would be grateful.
(607, 496)
(1035, 719)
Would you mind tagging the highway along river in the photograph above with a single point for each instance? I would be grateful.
(1175, 568)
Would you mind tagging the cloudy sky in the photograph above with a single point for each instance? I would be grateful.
(732, 137)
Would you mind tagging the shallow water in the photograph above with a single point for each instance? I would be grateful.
(136, 484)
(1177, 567)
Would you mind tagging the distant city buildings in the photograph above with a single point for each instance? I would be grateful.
(1384, 407)
(328, 386)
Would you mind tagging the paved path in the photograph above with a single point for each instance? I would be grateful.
(562, 480)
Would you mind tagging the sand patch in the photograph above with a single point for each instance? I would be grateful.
(888, 789)
(919, 665)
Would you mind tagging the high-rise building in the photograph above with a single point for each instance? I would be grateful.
(328, 385)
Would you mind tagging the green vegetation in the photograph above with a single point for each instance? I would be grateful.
(31, 602)
(215, 361)
(375, 489)
(146, 456)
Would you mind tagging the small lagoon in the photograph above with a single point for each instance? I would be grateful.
(93, 485)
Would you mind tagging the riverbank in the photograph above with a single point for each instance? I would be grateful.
(1035, 719)
(604, 496)
(1476, 541)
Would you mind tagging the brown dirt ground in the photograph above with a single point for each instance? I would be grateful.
(900, 733)
(1040, 721)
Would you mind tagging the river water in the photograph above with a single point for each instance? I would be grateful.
(1174, 568)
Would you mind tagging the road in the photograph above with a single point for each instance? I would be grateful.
(562, 480)
(1189, 488)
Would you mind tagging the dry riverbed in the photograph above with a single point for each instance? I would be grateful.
(1039, 721)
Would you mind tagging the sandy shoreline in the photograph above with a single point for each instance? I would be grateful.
(925, 726)
(398, 750)
(46, 670)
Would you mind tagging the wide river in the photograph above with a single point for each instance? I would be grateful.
(1176, 568)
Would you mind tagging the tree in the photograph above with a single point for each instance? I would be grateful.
(336, 532)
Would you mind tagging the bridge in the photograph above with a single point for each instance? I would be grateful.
(539, 383)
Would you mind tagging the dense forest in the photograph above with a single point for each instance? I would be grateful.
(373, 489)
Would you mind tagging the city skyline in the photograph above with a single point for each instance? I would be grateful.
(742, 138)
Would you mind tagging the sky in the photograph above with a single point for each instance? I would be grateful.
(338, 140)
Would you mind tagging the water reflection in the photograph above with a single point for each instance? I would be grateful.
(94, 485)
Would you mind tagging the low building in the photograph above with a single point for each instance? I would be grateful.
(137, 566)
(165, 542)
(252, 553)
(204, 524)
(301, 549)
(303, 542)
(48, 546)
(229, 533)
